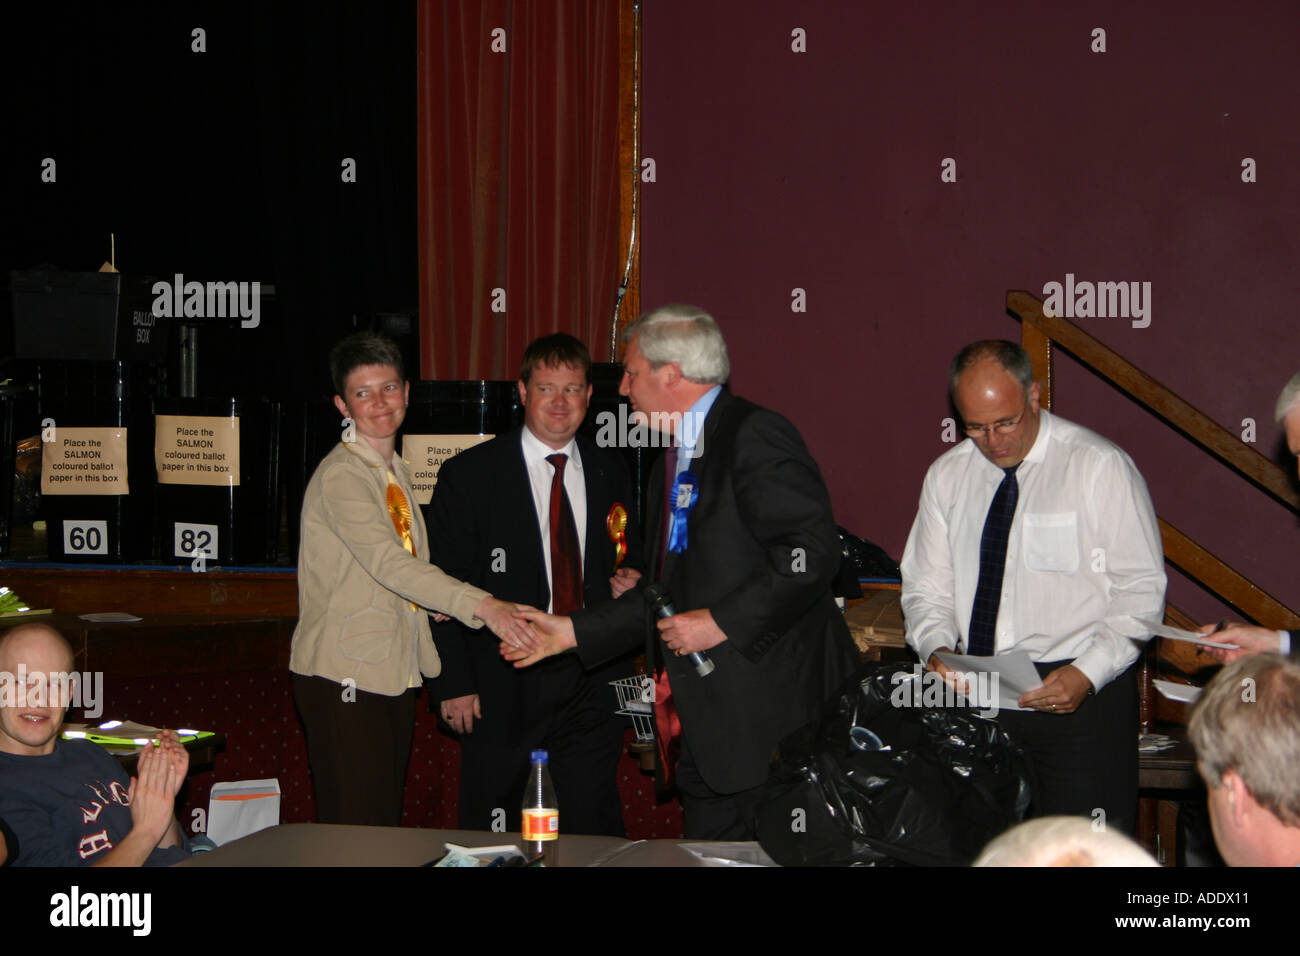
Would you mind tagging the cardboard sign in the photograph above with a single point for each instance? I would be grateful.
(84, 461)
(196, 450)
(426, 453)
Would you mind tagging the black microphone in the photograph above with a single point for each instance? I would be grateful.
(656, 595)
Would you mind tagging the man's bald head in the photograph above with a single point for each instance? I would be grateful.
(35, 688)
(20, 641)
(994, 392)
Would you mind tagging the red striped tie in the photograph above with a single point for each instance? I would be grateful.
(566, 554)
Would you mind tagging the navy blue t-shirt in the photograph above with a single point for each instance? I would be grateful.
(69, 807)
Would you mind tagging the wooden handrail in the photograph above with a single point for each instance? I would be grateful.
(1040, 331)
(1198, 426)
(1229, 584)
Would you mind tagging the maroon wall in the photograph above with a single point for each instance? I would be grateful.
(821, 170)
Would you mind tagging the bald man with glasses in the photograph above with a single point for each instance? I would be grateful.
(1038, 535)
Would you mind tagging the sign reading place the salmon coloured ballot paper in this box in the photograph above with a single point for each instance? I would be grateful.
(84, 461)
(196, 450)
(425, 455)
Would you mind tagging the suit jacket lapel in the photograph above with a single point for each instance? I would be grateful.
(597, 534)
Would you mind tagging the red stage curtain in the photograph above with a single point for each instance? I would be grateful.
(519, 179)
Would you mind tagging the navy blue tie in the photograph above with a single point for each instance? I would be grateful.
(993, 561)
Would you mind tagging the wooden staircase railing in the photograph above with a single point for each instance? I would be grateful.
(1038, 334)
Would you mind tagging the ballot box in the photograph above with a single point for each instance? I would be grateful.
(96, 483)
(218, 489)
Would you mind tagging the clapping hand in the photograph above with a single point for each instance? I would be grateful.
(159, 774)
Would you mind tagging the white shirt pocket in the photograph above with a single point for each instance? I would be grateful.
(1051, 541)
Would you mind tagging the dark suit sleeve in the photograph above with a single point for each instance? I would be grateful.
(610, 629)
(1295, 645)
(451, 547)
(785, 506)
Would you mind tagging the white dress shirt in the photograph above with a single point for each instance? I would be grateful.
(1083, 556)
(540, 476)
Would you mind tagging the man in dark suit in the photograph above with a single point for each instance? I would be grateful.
(501, 515)
(739, 531)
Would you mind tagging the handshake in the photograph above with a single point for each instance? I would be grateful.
(543, 635)
(529, 635)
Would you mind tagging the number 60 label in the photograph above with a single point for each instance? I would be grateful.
(85, 537)
(193, 538)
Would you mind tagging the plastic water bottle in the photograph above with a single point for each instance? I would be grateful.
(541, 811)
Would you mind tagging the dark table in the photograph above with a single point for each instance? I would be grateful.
(318, 844)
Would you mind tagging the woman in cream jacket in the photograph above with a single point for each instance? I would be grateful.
(365, 590)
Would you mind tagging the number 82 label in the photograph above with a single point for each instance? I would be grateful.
(190, 539)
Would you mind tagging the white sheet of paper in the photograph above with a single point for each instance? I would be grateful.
(1015, 670)
(1178, 634)
(1184, 693)
(729, 854)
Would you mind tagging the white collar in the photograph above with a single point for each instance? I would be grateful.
(535, 450)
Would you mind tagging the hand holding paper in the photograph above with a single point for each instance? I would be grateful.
(1240, 640)
(1013, 674)
(1062, 692)
(1196, 637)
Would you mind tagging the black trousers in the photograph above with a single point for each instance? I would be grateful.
(571, 715)
(358, 749)
(710, 815)
(1087, 760)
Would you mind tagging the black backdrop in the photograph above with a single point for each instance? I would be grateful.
(223, 165)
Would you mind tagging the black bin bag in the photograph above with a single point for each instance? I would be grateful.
(879, 781)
